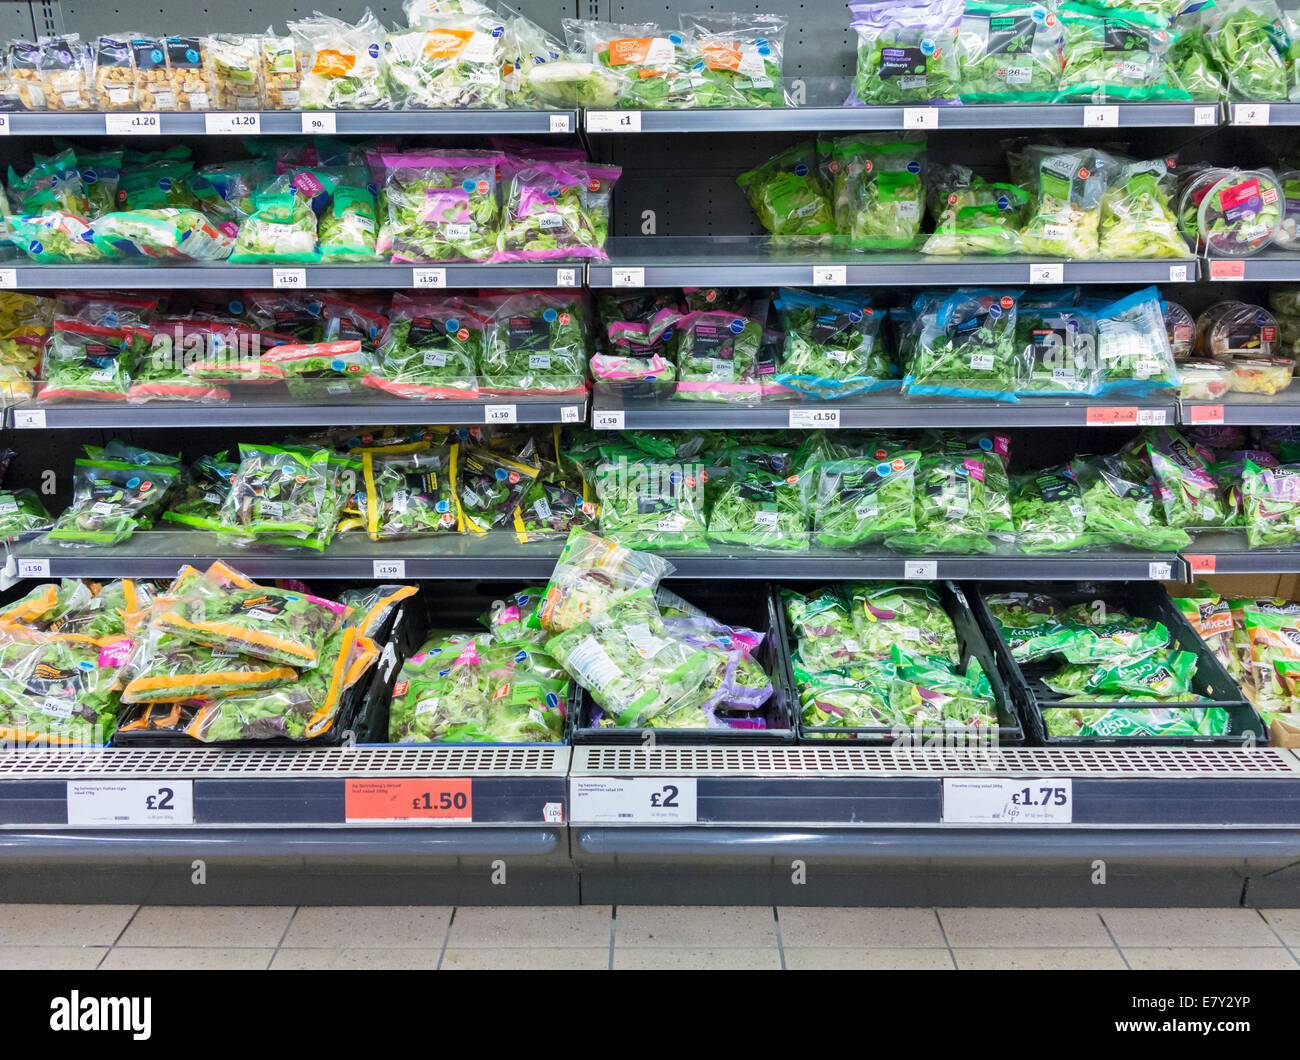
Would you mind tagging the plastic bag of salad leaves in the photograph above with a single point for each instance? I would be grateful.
(117, 609)
(433, 348)
(833, 345)
(1105, 723)
(717, 357)
(1239, 214)
(1120, 509)
(1066, 188)
(1272, 504)
(764, 504)
(994, 452)
(340, 63)
(1186, 489)
(1049, 512)
(58, 688)
(1060, 344)
(278, 490)
(52, 185)
(788, 195)
(735, 60)
(488, 487)
(21, 513)
(651, 63)
(1137, 212)
(967, 347)
(100, 171)
(91, 361)
(544, 215)
(442, 205)
(1009, 52)
(347, 226)
(910, 616)
(456, 61)
(55, 238)
(928, 694)
(1133, 353)
(972, 216)
(886, 194)
(316, 369)
(823, 621)
(1191, 55)
(591, 573)
(571, 83)
(906, 53)
(552, 509)
(1249, 43)
(163, 667)
(863, 499)
(652, 503)
(1210, 616)
(281, 228)
(110, 500)
(537, 343)
(1271, 631)
(199, 497)
(951, 513)
(1115, 54)
(408, 490)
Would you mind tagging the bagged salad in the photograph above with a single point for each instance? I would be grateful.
(717, 357)
(651, 503)
(1067, 188)
(449, 62)
(1133, 353)
(1120, 508)
(1009, 52)
(1137, 213)
(787, 194)
(763, 503)
(1249, 43)
(544, 212)
(1186, 489)
(591, 574)
(442, 205)
(537, 343)
(906, 54)
(861, 500)
(1272, 504)
(340, 63)
(833, 345)
(1059, 345)
(972, 216)
(111, 499)
(967, 346)
(280, 493)
(652, 64)
(1114, 54)
(433, 349)
(951, 510)
(736, 60)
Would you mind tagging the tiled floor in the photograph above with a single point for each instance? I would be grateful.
(599, 937)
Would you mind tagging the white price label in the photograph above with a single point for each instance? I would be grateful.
(640, 800)
(553, 813)
(830, 275)
(293, 278)
(1160, 572)
(499, 414)
(8, 279)
(29, 419)
(566, 277)
(132, 125)
(996, 801)
(33, 568)
(634, 277)
(1177, 273)
(424, 279)
(1100, 117)
(232, 124)
(389, 568)
(160, 802)
(319, 123)
(608, 421)
(920, 117)
(921, 569)
(4, 124)
(1205, 116)
(570, 414)
(561, 123)
(1152, 417)
(1050, 272)
(1250, 114)
(609, 121)
(811, 419)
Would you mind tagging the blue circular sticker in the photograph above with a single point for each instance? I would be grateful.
(452, 326)
(501, 474)
(88, 176)
(962, 470)
(778, 463)
(549, 315)
(994, 312)
(156, 56)
(110, 318)
(498, 30)
(986, 444)
(467, 185)
(1038, 14)
(552, 700)
(191, 55)
(1004, 203)
(374, 51)
(763, 49)
(855, 316)
(675, 477)
(737, 326)
(442, 506)
(338, 364)
(34, 247)
(236, 307)
(85, 664)
(132, 482)
(675, 38)
(883, 469)
(914, 167)
(521, 656)
(374, 330)
(927, 47)
(698, 66)
(165, 183)
(801, 170)
(444, 673)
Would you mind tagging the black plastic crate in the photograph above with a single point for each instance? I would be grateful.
(972, 644)
(736, 603)
(1148, 600)
(441, 606)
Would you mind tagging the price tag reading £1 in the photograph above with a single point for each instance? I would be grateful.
(920, 117)
(989, 800)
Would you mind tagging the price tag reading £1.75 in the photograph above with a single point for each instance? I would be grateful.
(989, 800)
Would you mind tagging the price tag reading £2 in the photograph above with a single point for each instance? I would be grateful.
(1052, 272)
(989, 800)
(830, 275)
(125, 802)
(640, 800)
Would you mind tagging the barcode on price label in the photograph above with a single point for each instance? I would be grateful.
(634, 277)
(132, 125)
(1250, 114)
(608, 421)
(390, 568)
(319, 123)
(830, 275)
(560, 123)
(920, 117)
(1160, 572)
(8, 279)
(811, 419)
(1152, 417)
(922, 569)
(33, 568)
(295, 278)
(499, 414)
(566, 277)
(156, 802)
(1100, 117)
(427, 278)
(229, 124)
(29, 419)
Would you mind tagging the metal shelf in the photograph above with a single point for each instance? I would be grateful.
(290, 122)
(883, 409)
(239, 277)
(970, 116)
(1245, 410)
(687, 261)
(1219, 552)
(287, 413)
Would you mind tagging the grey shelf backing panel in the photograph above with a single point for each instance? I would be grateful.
(849, 119)
(318, 277)
(686, 261)
(1228, 553)
(114, 416)
(885, 409)
(1262, 410)
(290, 123)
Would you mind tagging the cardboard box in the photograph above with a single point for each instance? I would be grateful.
(1285, 734)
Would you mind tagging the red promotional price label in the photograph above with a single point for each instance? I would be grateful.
(1205, 414)
(1112, 415)
(1227, 270)
(1200, 564)
(431, 798)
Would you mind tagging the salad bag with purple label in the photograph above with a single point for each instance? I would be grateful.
(442, 205)
(907, 54)
(1272, 502)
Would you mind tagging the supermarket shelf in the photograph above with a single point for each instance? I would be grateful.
(1267, 267)
(359, 787)
(292, 122)
(1001, 116)
(1228, 553)
(1245, 410)
(1263, 114)
(314, 277)
(160, 553)
(883, 409)
(684, 261)
(847, 787)
(285, 413)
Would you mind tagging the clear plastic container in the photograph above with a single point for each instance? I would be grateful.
(1238, 216)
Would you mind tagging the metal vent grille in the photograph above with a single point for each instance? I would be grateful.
(288, 763)
(859, 762)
